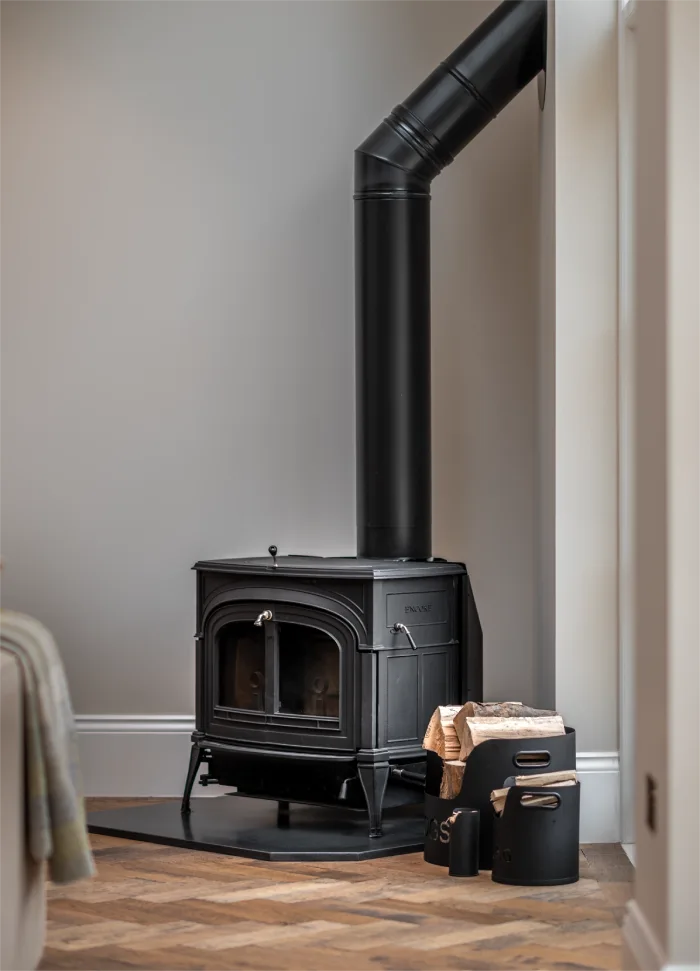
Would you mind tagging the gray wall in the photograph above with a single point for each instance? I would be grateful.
(177, 313)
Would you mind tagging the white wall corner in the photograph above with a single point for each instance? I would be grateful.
(629, 13)
(643, 947)
(578, 374)
(147, 755)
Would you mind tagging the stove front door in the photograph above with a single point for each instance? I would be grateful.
(280, 674)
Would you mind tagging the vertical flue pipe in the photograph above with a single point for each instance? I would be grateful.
(393, 171)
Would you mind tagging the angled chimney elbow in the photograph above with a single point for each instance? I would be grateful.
(394, 167)
(461, 96)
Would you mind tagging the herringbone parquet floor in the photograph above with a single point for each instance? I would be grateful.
(169, 908)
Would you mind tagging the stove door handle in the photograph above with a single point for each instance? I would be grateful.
(402, 629)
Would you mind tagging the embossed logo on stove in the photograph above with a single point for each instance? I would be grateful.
(418, 608)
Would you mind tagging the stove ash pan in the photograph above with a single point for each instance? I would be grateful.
(316, 677)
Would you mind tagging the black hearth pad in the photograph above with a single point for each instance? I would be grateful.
(248, 827)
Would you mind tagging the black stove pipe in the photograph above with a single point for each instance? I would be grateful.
(393, 171)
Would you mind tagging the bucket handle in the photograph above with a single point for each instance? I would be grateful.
(530, 759)
(540, 799)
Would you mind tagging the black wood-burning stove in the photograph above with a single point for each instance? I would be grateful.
(317, 677)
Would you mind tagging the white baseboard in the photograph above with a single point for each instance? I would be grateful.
(134, 755)
(147, 755)
(599, 773)
(642, 944)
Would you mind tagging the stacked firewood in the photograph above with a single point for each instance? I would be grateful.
(545, 780)
(455, 730)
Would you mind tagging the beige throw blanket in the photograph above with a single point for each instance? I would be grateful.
(55, 811)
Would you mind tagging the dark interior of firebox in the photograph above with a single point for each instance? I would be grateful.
(304, 675)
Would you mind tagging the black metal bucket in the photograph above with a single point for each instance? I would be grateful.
(536, 839)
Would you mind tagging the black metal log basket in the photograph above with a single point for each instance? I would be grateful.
(487, 768)
(536, 839)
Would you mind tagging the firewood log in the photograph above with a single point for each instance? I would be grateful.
(492, 709)
(544, 780)
(509, 709)
(452, 776)
(460, 721)
(440, 736)
(480, 729)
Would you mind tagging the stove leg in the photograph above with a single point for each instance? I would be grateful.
(196, 759)
(374, 777)
(283, 814)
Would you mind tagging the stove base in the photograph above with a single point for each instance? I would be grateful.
(240, 826)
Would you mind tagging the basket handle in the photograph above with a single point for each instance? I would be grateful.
(531, 759)
(540, 799)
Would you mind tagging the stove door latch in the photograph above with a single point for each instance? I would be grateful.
(402, 629)
(261, 618)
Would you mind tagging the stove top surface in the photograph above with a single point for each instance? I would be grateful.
(336, 566)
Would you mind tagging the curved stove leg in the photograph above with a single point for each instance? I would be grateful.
(196, 759)
(374, 777)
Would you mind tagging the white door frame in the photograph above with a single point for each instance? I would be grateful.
(626, 135)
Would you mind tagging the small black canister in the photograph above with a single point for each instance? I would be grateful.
(464, 843)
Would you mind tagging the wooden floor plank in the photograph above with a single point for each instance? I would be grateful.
(160, 907)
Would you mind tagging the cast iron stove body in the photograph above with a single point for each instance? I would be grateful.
(317, 676)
